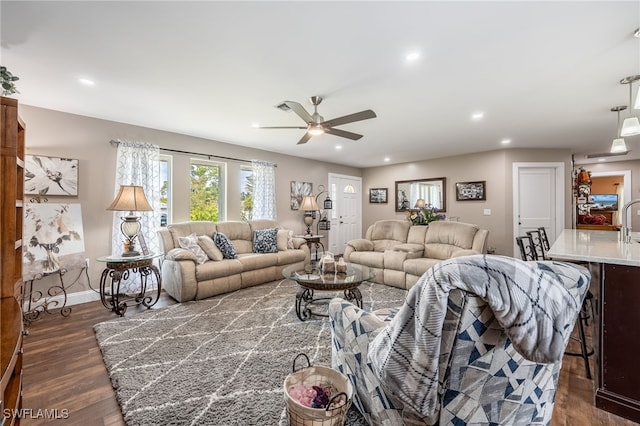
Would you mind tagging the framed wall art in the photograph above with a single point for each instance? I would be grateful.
(299, 190)
(470, 191)
(50, 176)
(54, 239)
(378, 195)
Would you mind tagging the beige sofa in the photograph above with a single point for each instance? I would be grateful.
(400, 253)
(183, 278)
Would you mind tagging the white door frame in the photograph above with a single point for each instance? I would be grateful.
(331, 179)
(559, 202)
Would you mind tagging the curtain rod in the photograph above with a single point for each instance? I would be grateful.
(209, 156)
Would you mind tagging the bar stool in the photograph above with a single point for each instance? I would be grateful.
(538, 245)
(583, 319)
(527, 249)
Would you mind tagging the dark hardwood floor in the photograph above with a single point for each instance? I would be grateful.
(63, 370)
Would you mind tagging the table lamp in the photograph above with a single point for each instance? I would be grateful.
(310, 206)
(130, 198)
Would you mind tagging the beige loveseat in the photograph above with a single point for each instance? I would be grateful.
(400, 253)
(184, 278)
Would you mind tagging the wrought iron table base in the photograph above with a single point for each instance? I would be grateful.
(112, 276)
(305, 299)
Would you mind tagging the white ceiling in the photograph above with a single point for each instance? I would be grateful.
(544, 73)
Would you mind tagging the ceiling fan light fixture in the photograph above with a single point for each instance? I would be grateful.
(315, 130)
(618, 145)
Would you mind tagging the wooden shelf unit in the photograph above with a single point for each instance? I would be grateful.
(11, 216)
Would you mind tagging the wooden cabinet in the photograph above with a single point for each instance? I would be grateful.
(11, 216)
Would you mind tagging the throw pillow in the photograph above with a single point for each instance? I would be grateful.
(225, 245)
(285, 239)
(190, 242)
(206, 243)
(265, 240)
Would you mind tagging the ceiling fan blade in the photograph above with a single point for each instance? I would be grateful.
(304, 139)
(343, 133)
(358, 116)
(299, 109)
(281, 127)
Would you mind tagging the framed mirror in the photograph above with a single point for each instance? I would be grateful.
(425, 192)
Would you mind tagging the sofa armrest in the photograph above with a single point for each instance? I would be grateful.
(361, 244)
(298, 242)
(350, 356)
(180, 253)
(464, 252)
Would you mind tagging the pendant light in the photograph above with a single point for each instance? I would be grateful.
(618, 144)
(630, 125)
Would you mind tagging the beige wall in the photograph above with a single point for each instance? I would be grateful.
(494, 167)
(58, 134)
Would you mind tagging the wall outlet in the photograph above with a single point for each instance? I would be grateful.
(487, 212)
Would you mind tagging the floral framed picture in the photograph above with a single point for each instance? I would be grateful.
(298, 191)
(378, 195)
(469, 191)
(50, 176)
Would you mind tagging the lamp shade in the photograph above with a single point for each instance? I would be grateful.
(630, 127)
(130, 198)
(420, 203)
(618, 145)
(309, 204)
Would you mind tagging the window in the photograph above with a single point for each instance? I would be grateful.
(165, 189)
(246, 193)
(207, 191)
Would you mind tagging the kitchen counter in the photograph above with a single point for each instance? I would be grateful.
(615, 285)
(596, 246)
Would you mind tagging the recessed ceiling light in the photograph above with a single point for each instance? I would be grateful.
(636, 33)
(477, 116)
(505, 141)
(87, 82)
(338, 146)
(413, 56)
(602, 159)
(387, 159)
(255, 125)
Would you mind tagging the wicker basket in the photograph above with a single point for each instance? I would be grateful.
(300, 415)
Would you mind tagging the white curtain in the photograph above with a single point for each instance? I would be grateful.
(138, 163)
(264, 190)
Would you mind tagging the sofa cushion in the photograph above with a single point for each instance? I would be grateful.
(382, 245)
(225, 245)
(252, 261)
(389, 230)
(454, 233)
(212, 270)
(419, 266)
(206, 243)
(287, 257)
(198, 227)
(265, 240)
(368, 258)
(190, 242)
(239, 233)
(285, 239)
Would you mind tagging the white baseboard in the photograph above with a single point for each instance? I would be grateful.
(72, 299)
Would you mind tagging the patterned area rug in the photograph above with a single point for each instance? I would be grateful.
(220, 361)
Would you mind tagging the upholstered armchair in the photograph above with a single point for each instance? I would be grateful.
(479, 340)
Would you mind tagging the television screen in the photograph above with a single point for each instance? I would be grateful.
(604, 201)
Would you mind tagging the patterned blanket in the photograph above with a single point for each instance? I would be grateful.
(535, 302)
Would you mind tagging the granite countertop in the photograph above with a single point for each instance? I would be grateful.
(596, 246)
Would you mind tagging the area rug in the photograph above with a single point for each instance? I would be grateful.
(220, 361)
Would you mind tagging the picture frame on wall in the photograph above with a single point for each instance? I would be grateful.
(299, 190)
(471, 191)
(51, 176)
(379, 195)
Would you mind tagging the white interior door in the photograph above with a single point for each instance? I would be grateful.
(346, 216)
(538, 199)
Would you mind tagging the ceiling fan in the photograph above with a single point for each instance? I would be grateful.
(316, 125)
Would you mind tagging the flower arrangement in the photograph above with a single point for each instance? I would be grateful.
(7, 79)
(424, 215)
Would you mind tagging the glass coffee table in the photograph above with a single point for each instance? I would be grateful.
(311, 279)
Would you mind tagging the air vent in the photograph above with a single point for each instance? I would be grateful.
(606, 154)
(283, 107)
